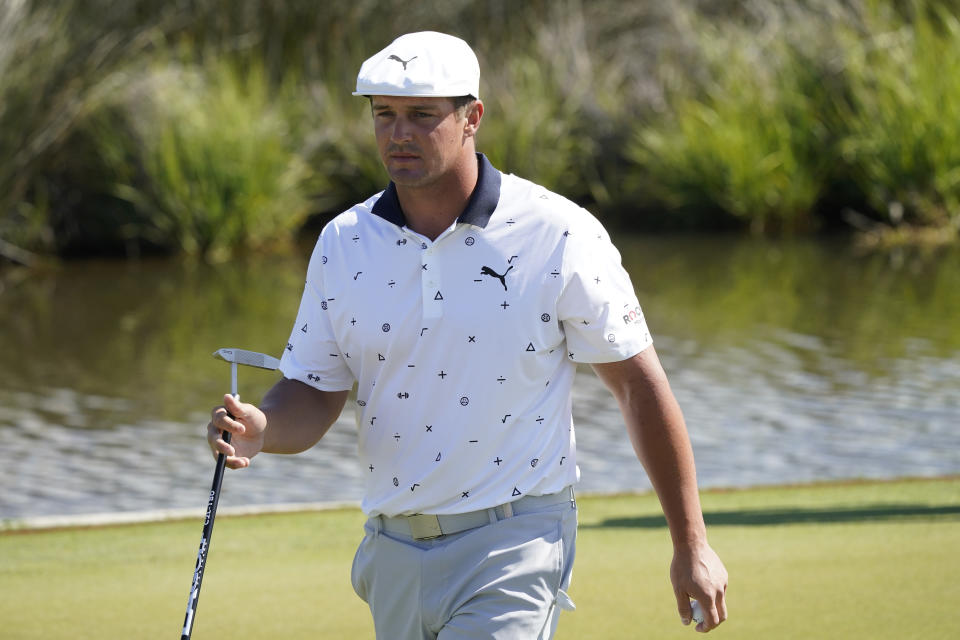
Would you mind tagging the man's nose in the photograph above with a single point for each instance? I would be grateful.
(401, 130)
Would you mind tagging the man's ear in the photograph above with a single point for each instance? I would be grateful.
(473, 117)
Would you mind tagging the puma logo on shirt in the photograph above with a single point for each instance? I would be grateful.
(487, 271)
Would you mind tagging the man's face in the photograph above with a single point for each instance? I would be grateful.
(420, 139)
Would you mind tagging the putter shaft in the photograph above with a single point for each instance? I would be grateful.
(234, 357)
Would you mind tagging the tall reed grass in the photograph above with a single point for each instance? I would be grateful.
(742, 143)
(53, 74)
(902, 122)
(131, 125)
(206, 158)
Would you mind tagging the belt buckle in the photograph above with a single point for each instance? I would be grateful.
(424, 526)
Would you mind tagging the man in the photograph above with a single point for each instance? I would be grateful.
(459, 301)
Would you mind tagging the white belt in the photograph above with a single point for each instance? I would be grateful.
(423, 526)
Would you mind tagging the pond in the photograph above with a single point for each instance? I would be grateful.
(794, 361)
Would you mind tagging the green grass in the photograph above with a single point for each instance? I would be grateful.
(221, 170)
(744, 145)
(851, 561)
(54, 72)
(903, 122)
(871, 560)
(129, 128)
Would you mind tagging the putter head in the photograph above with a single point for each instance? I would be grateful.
(249, 358)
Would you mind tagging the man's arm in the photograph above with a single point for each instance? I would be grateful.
(291, 418)
(659, 435)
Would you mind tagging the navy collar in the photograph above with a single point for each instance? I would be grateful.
(479, 207)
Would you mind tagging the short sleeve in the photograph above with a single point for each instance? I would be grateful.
(312, 355)
(598, 307)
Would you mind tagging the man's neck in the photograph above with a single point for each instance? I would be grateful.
(430, 210)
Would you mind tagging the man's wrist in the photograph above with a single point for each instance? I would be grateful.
(689, 539)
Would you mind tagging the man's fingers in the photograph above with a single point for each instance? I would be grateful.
(225, 420)
(683, 607)
(718, 610)
(218, 445)
(235, 462)
(711, 620)
(713, 614)
(243, 423)
(234, 406)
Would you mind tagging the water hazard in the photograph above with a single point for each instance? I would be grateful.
(793, 362)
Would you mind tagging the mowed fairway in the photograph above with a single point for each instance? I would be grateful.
(862, 560)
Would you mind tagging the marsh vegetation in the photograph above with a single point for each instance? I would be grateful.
(210, 127)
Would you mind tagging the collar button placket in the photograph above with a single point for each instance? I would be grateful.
(430, 283)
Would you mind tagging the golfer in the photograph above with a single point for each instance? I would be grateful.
(458, 302)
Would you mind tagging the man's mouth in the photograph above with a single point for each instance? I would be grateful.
(400, 153)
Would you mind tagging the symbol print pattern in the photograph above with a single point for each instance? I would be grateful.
(457, 386)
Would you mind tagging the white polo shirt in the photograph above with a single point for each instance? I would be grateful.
(463, 348)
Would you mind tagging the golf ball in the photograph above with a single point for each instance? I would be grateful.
(697, 611)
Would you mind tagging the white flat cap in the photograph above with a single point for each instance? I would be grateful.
(426, 64)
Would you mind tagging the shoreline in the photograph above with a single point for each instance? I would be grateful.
(36, 524)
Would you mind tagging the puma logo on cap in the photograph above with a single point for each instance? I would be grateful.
(401, 60)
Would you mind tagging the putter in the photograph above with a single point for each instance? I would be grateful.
(234, 357)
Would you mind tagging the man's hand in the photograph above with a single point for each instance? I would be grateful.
(698, 573)
(246, 431)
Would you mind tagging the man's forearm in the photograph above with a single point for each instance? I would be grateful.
(298, 415)
(660, 439)
(657, 431)
(659, 436)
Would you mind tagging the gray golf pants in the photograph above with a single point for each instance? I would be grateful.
(504, 580)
